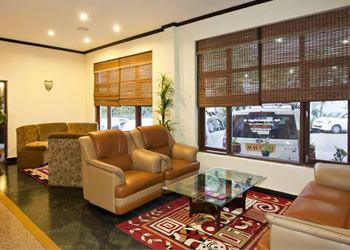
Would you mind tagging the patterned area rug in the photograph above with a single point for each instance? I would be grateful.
(39, 174)
(169, 226)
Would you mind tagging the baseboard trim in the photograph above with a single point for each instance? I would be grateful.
(274, 192)
(11, 161)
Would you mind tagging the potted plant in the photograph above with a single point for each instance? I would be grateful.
(312, 151)
(339, 154)
(267, 148)
(236, 146)
(166, 104)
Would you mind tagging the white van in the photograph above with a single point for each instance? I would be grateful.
(277, 123)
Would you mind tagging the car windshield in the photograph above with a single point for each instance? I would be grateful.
(334, 114)
(263, 125)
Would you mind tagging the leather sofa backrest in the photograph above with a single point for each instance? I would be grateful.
(82, 127)
(112, 147)
(45, 129)
(156, 139)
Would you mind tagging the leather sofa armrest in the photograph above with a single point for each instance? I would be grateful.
(292, 233)
(108, 168)
(184, 152)
(146, 160)
(333, 175)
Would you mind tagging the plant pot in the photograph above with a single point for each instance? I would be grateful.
(265, 153)
(236, 148)
(312, 155)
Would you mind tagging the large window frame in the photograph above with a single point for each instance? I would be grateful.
(138, 116)
(302, 64)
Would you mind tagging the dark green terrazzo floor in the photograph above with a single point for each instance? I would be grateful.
(64, 215)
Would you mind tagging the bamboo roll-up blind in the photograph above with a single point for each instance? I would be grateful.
(228, 70)
(307, 59)
(124, 81)
(106, 92)
(136, 80)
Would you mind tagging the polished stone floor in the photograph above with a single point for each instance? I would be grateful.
(69, 220)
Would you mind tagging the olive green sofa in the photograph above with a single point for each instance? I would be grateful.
(32, 140)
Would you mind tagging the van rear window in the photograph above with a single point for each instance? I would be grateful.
(263, 125)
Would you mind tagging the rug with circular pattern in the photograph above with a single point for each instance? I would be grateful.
(169, 226)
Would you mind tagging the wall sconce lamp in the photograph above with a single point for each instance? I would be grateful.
(48, 85)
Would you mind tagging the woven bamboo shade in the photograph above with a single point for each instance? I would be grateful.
(228, 70)
(307, 59)
(301, 60)
(106, 92)
(136, 80)
(124, 81)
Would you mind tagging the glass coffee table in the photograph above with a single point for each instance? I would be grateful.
(214, 189)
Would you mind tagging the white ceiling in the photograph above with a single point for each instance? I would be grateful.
(30, 20)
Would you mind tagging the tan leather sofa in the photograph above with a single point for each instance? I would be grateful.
(116, 176)
(32, 140)
(179, 160)
(319, 218)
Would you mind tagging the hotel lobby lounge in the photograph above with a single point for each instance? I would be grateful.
(175, 124)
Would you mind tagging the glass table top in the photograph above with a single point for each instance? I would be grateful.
(218, 186)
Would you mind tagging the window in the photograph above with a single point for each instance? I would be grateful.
(285, 88)
(215, 127)
(146, 116)
(329, 131)
(123, 118)
(123, 90)
(103, 118)
(273, 128)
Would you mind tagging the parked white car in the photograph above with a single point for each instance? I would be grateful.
(335, 122)
(279, 124)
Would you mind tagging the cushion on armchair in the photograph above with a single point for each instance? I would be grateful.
(156, 139)
(111, 147)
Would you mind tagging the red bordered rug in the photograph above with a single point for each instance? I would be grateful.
(39, 174)
(169, 226)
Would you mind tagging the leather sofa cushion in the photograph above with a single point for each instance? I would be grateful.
(326, 194)
(264, 241)
(166, 150)
(136, 181)
(156, 139)
(111, 147)
(45, 129)
(179, 168)
(318, 211)
(37, 145)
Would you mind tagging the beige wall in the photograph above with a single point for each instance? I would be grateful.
(25, 68)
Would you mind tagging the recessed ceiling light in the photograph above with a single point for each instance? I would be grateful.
(51, 33)
(279, 40)
(83, 16)
(346, 41)
(87, 40)
(116, 28)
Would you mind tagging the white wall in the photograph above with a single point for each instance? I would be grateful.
(25, 68)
